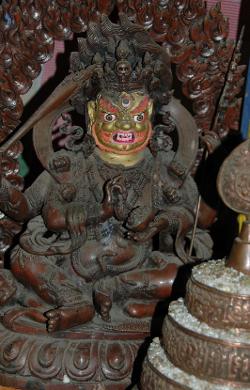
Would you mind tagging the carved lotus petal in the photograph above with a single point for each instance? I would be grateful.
(116, 356)
(46, 355)
(45, 360)
(117, 360)
(82, 360)
(82, 356)
(13, 352)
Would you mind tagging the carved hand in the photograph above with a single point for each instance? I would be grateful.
(139, 219)
(75, 221)
(159, 223)
(13, 202)
(144, 236)
(75, 218)
(115, 198)
(211, 141)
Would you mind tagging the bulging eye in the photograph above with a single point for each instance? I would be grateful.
(109, 117)
(139, 117)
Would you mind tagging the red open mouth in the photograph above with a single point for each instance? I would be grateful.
(124, 137)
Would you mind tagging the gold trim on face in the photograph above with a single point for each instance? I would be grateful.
(121, 125)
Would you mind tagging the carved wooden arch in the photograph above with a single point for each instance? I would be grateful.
(196, 39)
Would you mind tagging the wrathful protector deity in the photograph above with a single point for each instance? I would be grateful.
(86, 257)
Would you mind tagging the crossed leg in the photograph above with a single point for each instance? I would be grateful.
(54, 287)
(143, 288)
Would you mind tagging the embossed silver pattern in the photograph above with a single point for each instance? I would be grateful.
(153, 379)
(219, 361)
(234, 180)
(218, 309)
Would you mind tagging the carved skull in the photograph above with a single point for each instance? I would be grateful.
(123, 69)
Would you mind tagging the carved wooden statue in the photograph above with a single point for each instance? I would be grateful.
(86, 257)
(93, 212)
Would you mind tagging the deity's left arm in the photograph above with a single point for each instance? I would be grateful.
(180, 206)
(180, 217)
(172, 220)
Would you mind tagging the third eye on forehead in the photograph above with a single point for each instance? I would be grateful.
(107, 106)
(123, 99)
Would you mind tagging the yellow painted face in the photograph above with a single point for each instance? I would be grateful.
(121, 126)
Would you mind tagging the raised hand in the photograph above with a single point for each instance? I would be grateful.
(75, 221)
(153, 226)
(115, 198)
(144, 236)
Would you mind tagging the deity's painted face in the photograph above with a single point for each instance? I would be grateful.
(121, 124)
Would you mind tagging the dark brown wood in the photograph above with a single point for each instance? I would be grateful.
(89, 357)
(85, 280)
(196, 39)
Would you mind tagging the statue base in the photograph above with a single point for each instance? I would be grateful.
(91, 357)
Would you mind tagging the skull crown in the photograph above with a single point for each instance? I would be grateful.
(127, 60)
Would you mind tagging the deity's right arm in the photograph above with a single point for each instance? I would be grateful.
(14, 203)
(22, 206)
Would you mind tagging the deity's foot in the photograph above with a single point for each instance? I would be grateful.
(104, 303)
(64, 317)
(140, 310)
